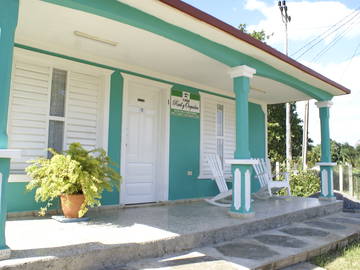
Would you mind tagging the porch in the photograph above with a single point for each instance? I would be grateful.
(118, 235)
(101, 55)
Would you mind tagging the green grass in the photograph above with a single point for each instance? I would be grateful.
(347, 258)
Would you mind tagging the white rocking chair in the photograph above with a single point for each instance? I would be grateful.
(218, 175)
(267, 184)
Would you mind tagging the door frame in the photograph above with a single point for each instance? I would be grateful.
(162, 185)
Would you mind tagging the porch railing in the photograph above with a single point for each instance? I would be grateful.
(347, 180)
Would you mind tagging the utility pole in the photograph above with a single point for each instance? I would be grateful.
(305, 135)
(286, 19)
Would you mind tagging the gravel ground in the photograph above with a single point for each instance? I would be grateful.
(349, 204)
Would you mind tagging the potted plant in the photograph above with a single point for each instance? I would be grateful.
(77, 176)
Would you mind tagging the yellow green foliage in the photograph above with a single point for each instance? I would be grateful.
(346, 258)
(303, 183)
(76, 171)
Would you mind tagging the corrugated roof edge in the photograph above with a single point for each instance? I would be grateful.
(211, 20)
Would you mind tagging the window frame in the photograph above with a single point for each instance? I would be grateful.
(220, 137)
(58, 118)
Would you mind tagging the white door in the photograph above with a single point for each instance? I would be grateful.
(142, 144)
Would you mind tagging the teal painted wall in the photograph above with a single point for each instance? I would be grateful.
(114, 137)
(185, 153)
(256, 131)
(184, 150)
(256, 138)
(185, 156)
(19, 199)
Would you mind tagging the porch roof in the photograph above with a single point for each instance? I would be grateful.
(158, 41)
(243, 42)
(213, 21)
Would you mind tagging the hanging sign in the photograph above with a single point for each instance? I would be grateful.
(185, 104)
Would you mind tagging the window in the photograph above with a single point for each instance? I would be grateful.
(57, 110)
(53, 107)
(217, 132)
(220, 132)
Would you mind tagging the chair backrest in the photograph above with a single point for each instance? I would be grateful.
(217, 172)
(263, 171)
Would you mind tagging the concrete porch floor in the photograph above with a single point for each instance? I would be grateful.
(121, 235)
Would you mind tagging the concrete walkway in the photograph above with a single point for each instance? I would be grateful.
(121, 235)
(272, 249)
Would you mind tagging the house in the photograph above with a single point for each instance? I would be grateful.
(158, 83)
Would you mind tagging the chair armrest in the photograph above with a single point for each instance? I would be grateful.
(286, 174)
(257, 175)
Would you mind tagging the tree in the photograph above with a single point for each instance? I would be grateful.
(340, 153)
(260, 35)
(276, 132)
(276, 119)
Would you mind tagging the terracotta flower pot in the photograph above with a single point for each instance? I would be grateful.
(70, 204)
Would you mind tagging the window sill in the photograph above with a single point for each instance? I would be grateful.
(10, 153)
(19, 178)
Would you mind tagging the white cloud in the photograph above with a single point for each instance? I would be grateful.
(255, 5)
(308, 19)
(345, 114)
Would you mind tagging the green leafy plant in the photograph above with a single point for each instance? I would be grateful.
(76, 171)
(304, 183)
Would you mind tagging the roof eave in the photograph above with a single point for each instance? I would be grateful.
(213, 21)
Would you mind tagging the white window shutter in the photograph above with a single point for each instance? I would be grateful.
(28, 122)
(83, 110)
(208, 134)
(229, 134)
(208, 131)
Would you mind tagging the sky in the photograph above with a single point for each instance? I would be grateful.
(332, 28)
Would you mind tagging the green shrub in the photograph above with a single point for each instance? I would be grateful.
(305, 183)
(76, 171)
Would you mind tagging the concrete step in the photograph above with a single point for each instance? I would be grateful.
(303, 266)
(271, 249)
(125, 235)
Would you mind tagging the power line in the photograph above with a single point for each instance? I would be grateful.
(319, 37)
(334, 41)
(327, 33)
(352, 57)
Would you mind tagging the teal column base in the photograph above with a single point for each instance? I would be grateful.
(241, 201)
(327, 181)
(327, 199)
